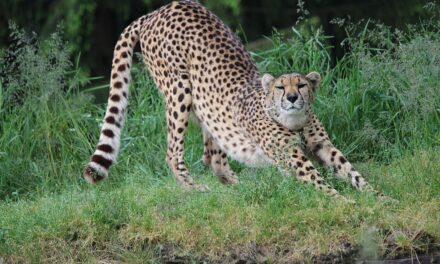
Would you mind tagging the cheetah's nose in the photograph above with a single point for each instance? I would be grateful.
(292, 98)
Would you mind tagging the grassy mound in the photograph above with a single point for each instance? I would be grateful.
(380, 104)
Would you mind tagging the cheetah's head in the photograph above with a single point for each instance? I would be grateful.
(289, 97)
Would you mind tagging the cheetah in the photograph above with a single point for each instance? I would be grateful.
(202, 68)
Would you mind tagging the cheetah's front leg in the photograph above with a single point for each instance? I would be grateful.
(317, 142)
(214, 157)
(282, 146)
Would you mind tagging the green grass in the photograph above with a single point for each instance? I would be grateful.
(130, 219)
(380, 106)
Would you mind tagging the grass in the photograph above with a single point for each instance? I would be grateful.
(135, 217)
(380, 103)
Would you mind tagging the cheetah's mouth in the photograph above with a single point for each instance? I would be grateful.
(292, 108)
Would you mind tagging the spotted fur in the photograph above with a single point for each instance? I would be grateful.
(201, 67)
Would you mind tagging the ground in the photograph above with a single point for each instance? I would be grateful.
(144, 214)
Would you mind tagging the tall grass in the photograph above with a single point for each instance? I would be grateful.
(389, 99)
(45, 121)
(380, 104)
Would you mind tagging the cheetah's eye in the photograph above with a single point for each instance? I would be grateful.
(301, 85)
(280, 87)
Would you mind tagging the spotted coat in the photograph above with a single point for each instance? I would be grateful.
(201, 67)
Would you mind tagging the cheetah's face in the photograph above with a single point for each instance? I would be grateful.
(289, 96)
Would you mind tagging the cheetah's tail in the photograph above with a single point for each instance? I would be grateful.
(108, 146)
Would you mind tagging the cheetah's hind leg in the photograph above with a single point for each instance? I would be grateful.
(179, 103)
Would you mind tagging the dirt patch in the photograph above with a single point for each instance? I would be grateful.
(347, 254)
(249, 254)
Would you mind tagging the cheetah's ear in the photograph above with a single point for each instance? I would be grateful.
(266, 81)
(314, 78)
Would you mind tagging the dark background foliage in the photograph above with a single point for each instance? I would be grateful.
(92, 27)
